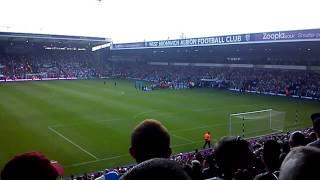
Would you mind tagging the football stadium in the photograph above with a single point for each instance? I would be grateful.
(216, 107)
(79, 106)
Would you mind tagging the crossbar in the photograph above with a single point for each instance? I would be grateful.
(251, 112)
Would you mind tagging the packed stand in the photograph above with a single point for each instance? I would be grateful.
(79, 65)
(269, 81)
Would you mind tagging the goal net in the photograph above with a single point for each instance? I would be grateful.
(255, 123)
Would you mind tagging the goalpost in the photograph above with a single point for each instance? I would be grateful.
(256, 123)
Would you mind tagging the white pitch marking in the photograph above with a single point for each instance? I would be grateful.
(143, 112)
(183, 138)
(73, 143)
(184, 144)
(124, 155)
(74, 124)
(201, 127)
(98, 160)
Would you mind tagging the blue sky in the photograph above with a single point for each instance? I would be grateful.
(139, 20)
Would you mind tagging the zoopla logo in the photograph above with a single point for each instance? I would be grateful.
(277, 36)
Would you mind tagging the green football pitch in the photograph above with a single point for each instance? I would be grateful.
(86, 124)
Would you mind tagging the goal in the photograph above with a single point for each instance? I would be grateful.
(36, 76)
(256, 123)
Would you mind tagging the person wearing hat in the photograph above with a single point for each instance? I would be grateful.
(316, 128)
(31, 165)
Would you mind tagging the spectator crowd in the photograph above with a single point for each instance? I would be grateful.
(79, 65)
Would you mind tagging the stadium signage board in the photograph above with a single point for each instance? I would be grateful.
(265, 37)
(196, 41)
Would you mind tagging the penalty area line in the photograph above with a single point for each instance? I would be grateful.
(120, 156)
(125, 155)
(183, 138)
(200, 127)
(143, 112)
(79, 123)
(193, 142)
(98, 160)
(185, 144)
(73, 143)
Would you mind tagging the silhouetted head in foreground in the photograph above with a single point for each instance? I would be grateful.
(157, 169)
(233, 153)
(301, 163)
(150, 139)
(297, 138)
(271, 155)
(31, 165)
(316, 123)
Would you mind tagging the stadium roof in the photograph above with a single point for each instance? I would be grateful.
(247, 47)
(309, 35)
(52, 39)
